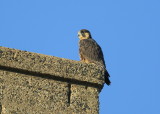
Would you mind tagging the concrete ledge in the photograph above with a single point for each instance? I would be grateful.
(24, 61)
(32, 83)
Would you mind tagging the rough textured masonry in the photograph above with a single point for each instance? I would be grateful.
(32, 83)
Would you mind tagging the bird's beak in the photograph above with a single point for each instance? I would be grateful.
(79, 34)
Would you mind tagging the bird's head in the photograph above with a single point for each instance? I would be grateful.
(84, 34)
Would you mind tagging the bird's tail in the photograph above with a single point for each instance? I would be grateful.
(107, 81)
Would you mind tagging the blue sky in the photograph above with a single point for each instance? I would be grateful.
(127, 30)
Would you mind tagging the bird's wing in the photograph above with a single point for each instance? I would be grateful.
(90, 50)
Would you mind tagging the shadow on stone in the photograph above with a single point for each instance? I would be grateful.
(0, 108)
(48, 76)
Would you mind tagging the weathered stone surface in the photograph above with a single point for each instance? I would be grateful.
(32, 83)
(50, 65)
(26, 94)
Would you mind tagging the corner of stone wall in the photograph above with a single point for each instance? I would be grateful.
(37, 83)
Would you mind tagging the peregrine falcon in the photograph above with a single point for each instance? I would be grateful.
(91, 52)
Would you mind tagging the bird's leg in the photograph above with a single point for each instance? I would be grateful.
(81, 58)
(86, 61)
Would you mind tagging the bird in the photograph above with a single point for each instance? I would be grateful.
(91, 52)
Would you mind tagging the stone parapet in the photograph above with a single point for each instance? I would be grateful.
(32, 83)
